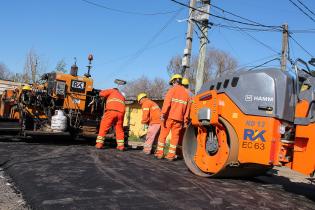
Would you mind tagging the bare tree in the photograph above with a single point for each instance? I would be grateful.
(158, 88)
(4, 72)
(61, 66)
(217, 63)
(34, 65)
(175, 65)
(154, 88)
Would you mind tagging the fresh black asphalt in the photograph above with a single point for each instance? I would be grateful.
(54, 175)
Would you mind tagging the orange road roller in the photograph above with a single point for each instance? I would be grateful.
(243, 124)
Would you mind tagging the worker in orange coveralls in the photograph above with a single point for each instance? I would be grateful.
(113, 115)
(151, 113)
(185, 83)
(174, 115)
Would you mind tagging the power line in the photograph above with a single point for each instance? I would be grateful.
(296, 42)
(306, 7)
(148, 43)
(297, 6)
(224, 18)
(229, 43)
(257, 60)
(260, 42)
(235, 28)
(263, 64)
(202, 31)
(242, 30)
(133, 54)
(303, 31)
(126, 11)
(235, 15)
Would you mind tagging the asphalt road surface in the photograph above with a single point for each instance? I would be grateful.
(57, 175)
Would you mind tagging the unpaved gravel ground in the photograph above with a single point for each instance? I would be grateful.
(10, 198)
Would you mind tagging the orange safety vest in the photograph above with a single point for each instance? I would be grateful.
(115, 101)
(151, 112)
(176, 103)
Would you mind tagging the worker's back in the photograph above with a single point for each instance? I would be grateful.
(176, 102)
(151, 112)
(115, 101)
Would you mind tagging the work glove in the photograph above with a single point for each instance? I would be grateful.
(185, 125)
(145, 127)
(163, 120)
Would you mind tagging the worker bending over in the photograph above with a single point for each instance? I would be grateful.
(174, 115)
(151, 113)
(113, 115)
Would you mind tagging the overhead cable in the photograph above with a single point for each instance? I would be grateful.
(238, 16)
(151, 40)
(224, 18)
(133, 54)
(306, 7)
(302, 31)
(263, 64)
(257, 60)
(252, 37)
(297, 6)
(246, 28)
(126, 11)
(296, 42)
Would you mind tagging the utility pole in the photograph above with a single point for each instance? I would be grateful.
(284, 52)
(203, 19)
(189, 37)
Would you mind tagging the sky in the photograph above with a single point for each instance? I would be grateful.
(139, 37)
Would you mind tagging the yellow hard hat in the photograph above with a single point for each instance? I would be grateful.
(185, 81)
(26, 87)
(141, 95)
(175, 76)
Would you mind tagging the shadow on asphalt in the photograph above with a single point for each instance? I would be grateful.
(60, 141)
(7, 165)
(299, 188)
(55, 140)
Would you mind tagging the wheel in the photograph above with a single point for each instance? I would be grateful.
(213, 152)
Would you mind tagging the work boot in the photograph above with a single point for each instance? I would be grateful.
(170, 157)
(159, 155)
(121, 148)
(99, 146)
(147, 153)
(100, 142)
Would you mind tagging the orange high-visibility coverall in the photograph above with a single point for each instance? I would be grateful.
(180, 142)
(113, 115)
(175, 113)
(151, 113)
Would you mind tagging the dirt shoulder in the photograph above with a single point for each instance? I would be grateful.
(10, 198)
